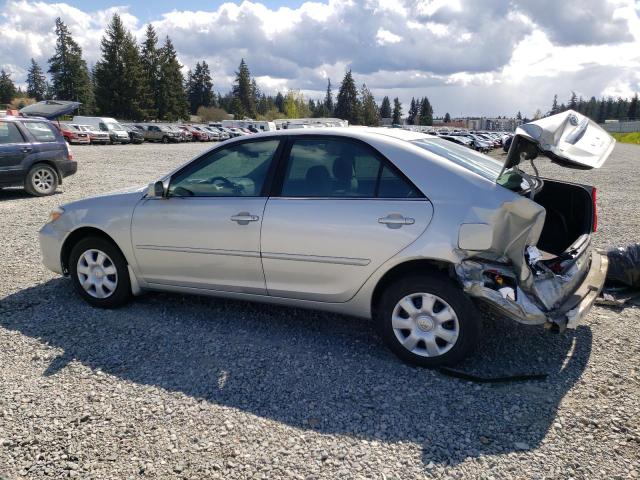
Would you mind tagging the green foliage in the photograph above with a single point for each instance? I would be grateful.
(7, 88)
(397, 112)
(425, 114)
(627, 137)
(243, 91)
(150, 62)
(36, 82)
(69, 74)
(328, 101)
(118, 76)
(385, 108)
(200, 87)
(348, 105)
(295, 106)
(447, 118)
(172, 99)
(370, 114)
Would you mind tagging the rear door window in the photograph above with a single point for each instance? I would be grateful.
(43, 132)
(337, 168)
(9, 133)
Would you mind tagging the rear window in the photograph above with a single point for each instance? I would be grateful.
(41, 131)
(483, 165)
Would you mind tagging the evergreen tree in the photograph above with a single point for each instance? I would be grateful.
(633, 111)
(447, 118)
(118, 75)
(412, 117)
(172, 100)
(370, 114)
(279, 101)
(244, 104)
(7, 88)
(554, 107)
(328, 100)
(397, 111)
(385, 108)
(150, 61)
(519, 115)
(69, 74)
(602, 111)
(36, 82)
(347, 104)
(200, 87)
(573, 101)
(426, 112)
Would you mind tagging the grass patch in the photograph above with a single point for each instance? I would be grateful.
(627, 137)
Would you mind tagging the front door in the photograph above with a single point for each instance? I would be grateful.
(13, 149)
(343, 211)
(206, 232)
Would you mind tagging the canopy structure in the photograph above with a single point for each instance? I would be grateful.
(50, 109)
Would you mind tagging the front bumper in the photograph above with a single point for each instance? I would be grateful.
(50, 247)
(527, 311)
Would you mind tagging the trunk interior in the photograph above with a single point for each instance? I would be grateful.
(569, 214)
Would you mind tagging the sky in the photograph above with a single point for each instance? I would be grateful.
(470, 57)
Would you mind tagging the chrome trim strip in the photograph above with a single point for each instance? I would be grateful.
(359, 262)
(205, 251)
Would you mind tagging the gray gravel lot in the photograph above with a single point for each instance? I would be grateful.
(191, 387)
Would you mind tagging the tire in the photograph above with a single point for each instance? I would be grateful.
(41, 181)
(444, 341)
(165, 139)
(100, 265)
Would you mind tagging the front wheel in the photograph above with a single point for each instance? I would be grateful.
(428, 320)
(99, 273)
(41, 180)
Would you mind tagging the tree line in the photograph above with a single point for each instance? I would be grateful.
(142, 82)
(601, 109)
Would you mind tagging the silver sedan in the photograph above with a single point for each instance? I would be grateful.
(402, 227)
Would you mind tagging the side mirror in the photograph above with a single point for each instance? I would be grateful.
(156, 190)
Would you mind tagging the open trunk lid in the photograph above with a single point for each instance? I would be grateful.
(568, 139)
(50, 109)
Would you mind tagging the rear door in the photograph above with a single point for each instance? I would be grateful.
(13, 150)
(340, 211)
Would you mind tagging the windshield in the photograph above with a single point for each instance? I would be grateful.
(116, 127)
(478, 163)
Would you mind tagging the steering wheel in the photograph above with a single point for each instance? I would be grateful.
(226, 183)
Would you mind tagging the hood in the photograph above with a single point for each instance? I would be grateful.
(568, 139)
(50, 109)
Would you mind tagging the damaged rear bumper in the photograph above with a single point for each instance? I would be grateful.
(524, 308)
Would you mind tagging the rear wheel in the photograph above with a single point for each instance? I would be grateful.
(165, 139)
(99, 273)
(41, 180)
(428, 321)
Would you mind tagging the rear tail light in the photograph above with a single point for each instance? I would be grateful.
(595, 209)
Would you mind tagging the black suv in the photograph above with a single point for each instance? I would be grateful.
(33, 154)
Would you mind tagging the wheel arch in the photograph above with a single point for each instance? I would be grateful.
(48, 163)
(422, 265)
(74, 237)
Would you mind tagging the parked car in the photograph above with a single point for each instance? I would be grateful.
(73, 134)
(214, 133)
(407, 228)
(117, 134)
(34, 155)
(136, 136)
(95, 136)
(196, 135)
(185, 135)
(159, 133)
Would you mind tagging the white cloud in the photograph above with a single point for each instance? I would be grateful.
(502, 56)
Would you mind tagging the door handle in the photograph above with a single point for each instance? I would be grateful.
(26, 149)
(243, 218)
(396, 220)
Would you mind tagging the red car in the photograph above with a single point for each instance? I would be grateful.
(73, 134)
(197, 135)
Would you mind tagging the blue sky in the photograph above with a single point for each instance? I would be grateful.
(493, 57)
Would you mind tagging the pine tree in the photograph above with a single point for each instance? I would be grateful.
(7, 88)
(279, 101)
(150, 61)
(447, 118)
(385, 108)
(347, 104)
(632, 113)
(328, 100)
(36, 82)
(244, 104)
(118, 75)
(397, 111)
(554, 107)
(426, 112)
(370, 114)
(602, 111)
(69, 74)
(573, 101)
(412, 117)
(172, 100)
(200, 87)
(519, 115)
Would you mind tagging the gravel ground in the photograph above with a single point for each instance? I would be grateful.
(191, 387)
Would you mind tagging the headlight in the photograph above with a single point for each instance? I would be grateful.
(55, 214)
